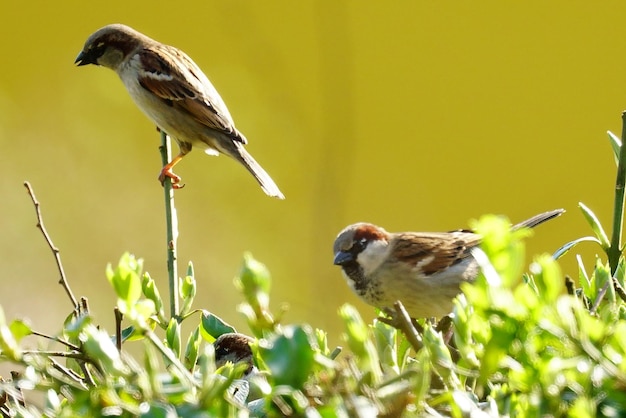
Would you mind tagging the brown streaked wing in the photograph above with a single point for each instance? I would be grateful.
(446, 249)
(181, 87)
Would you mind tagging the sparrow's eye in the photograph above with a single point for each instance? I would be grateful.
(95, 51)
(221, 351)
(98, 50)
(358, 246)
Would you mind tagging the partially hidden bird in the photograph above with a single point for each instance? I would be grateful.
(423, 270)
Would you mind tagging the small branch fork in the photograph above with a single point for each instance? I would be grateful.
(57, 255)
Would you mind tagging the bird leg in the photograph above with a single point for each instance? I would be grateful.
(166, 171)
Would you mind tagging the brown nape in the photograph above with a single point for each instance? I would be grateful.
(369, 232)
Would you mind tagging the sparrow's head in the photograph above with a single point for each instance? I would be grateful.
(359, 249)
(233, 347)
(110, 45)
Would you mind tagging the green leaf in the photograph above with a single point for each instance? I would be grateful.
(254, 282)
(159, 410)
(602, 275)
(126, 279)
(385, 337)
(282, 352)
(72, 327)
(144, 312)
(593, 221)
(190, 270)
(130, 333)
(20, 329)
(187, 293)
(548, 278)
(172, 336)
(503, 247)
(503, 331)
(192, 349)
(206, 366)
(616, 145)
(620, 272)
(357, 336)
(322, 341)
(8, 344)
(99, 347)
(423, 381)
(355, 327)
(151, 292)
(212, 326)
(440, 357)
(565, 248)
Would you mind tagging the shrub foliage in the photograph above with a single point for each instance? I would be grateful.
(517, 344)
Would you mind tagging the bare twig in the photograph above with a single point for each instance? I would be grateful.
(601, 294)
(19, 398)
(84, 306)
(65, 354)
(406, 325)
(57, 339)
(55, 250)
(401, 320)
(69, 374)
(118, 327)
(169, 355)
(87, 373)
(619, 289)
(570, 286)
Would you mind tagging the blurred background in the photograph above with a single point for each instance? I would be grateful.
(412, 115)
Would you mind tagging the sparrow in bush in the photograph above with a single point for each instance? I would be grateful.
(235, 348)
(423, 270)
(175, 94)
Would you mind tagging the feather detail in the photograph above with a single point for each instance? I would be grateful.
(433, 252)
(184, 87)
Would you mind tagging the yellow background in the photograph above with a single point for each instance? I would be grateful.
(415, 115)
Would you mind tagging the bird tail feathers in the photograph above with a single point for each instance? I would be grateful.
(267, 184)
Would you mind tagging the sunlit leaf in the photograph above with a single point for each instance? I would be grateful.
(212, 326)
(281, 352)
(616, 144)
(595, 226)
(565, 248)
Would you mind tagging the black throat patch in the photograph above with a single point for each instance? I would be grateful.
(354, 271)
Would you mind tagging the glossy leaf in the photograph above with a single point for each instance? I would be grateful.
(593, 221)
(616, 144)
(283, 351)
(566, 247)
(212, 326)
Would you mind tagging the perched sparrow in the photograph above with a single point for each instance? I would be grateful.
(422, 270)
(175, 94)
(234, 347)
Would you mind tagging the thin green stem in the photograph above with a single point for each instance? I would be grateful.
(172, 227)
(615, 250)
(169, 355)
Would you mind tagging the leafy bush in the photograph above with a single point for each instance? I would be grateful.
(517, 345)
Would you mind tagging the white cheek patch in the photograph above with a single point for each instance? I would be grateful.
(374, 254)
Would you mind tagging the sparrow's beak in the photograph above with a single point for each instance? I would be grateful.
(343, 257)
(83, 59)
